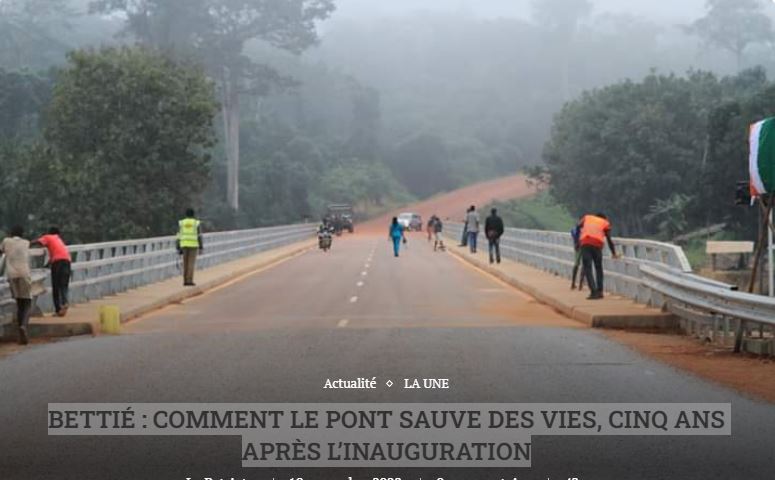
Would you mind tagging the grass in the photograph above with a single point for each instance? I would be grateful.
(540, 212)
(695, 253)
(695, 249)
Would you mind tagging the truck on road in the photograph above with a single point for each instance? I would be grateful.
(341, 217)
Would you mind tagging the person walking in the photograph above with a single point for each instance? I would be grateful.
(472, 227)
(17, 269)
(464, 239)
(396, 234)
(493, 228)
(438, 227)
(595, 232)
(60, 263)
(189, 243)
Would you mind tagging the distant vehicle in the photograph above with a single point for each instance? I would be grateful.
(324, 238)
(347, 223)
(411, 221)
(341, 216)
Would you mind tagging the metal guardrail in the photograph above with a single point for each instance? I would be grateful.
(103, 269)
(708, 298)
(553, 252)
(653, 273)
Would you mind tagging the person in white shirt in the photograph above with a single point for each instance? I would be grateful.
(472, 227)
(17, 270)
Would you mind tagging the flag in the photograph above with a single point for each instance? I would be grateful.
(761, 162)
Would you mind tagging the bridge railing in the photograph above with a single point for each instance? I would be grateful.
(103, 269)
(652, 273)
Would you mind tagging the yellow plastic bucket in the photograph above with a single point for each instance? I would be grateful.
(110, 320)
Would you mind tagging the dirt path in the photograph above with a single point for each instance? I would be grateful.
(751, 375)
(452, 205)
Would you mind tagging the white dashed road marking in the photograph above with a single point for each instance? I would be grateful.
(354, 299)
(342, 323)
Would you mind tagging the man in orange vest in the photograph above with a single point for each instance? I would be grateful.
(595, 232)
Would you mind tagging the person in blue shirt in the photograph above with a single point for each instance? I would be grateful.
(396, 234)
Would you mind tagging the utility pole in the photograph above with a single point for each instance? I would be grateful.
(231, 127)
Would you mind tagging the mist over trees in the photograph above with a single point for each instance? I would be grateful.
(30, 32)
(215, 32)
(377, 109)
(734, 25)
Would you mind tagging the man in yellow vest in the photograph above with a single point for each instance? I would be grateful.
(189, 243)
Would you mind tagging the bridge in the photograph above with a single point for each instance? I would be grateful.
(273, 317)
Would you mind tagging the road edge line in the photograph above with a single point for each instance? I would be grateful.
(598, 321)
(213, 285)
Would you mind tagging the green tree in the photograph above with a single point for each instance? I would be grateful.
(216, 31)
(670, 215)
(364, 140)
(622, 148)
(733, 25)
(15, 188)
(661, 156)
(749, 100)
(421, 164)
(131, 130)
(22, 97)
(22, 173)
(369, 186)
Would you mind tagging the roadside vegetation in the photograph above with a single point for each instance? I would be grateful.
(661, 156)
(541, 212)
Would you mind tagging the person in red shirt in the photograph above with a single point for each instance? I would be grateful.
(59, 260)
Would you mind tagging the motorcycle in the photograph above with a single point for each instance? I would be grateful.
(324, 239)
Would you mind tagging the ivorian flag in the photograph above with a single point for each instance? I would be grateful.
(761, 161)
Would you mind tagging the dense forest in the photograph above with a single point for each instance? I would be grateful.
(115, 115)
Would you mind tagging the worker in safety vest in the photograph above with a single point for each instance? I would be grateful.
(189, 243)
(595, 232)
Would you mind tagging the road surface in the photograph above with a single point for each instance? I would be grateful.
(278, 335)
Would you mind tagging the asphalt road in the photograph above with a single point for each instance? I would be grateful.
(278, 335)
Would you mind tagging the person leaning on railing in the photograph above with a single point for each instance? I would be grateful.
(595, 231)
(17, 268)
(189, 243)
(60, 262)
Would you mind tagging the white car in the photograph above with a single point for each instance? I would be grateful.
(410, 221)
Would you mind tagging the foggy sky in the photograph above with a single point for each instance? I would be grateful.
(655, 9)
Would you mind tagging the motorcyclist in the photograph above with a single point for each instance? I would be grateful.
(325, 239)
